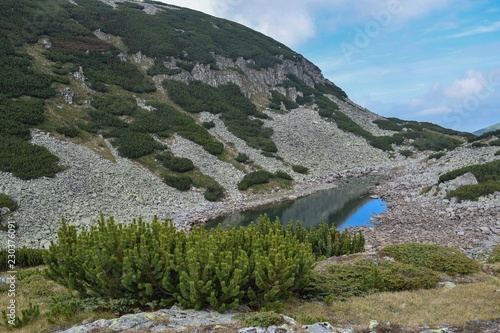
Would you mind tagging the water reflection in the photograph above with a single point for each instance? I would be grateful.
(347, 206)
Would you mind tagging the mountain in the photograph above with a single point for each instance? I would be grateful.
(487, 129)
(138, 108)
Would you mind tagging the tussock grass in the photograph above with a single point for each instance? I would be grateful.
(465, 303)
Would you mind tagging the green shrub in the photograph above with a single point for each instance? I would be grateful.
(435, 141)
(494, 143)
(364, 276)
(283, 175)
(26, 160)
(263, 319)
(214, 193)
(208, 124)
(68, 131)
(300, 169)
(436, 156)
(388, 125)
(437, 258)
(182, 183)
(278, 98)
(117, 105)
(27, 315)
(6, 201)
(497, 153)
(25, 257)
(254, 178)
(177, 164)
(406, 153)
(154, 262)
(494, 256)
(473, 192)
(479, 145)
(236, 110)
(136, 144)
(483, 172)
(242, 158)
(327, 241)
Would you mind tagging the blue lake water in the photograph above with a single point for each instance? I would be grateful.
(346, 206)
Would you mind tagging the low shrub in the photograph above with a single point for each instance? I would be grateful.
(177, 164)
(436, 156)
(214, 193)
(283, 175)
(406, 153)
(181, 183)
(437, 258)
(364, 276)
(254, 178)
(154, 262)
(300, 169)
(208, 124)
(26, 160)
(474, 192)
(479, 145)
(388, 125)
(494, 256)
(6, 201)
(136, 144)
(263, 319)
(25, 257)
(242, 158)
(68, 131)
(494, 143)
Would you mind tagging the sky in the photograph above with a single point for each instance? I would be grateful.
(425, 60)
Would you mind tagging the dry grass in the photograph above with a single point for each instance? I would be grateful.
(456, 307)
(39, 291)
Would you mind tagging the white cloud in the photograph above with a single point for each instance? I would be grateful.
(443, 109)
(478, 30)
(472, 84)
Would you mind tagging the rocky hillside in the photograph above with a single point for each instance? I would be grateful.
(139, 108)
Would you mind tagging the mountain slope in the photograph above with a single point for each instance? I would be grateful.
(152, 90)
(487, 129)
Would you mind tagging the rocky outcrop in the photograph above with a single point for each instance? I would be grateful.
(416, 216)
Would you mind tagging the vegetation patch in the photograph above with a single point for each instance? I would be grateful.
(300, 169)
(154, 261)
(254, 178)
(25, 257)
(26, 160)
(177, 164)
(406, 153)
(487, 175)
(277, 99)
(7, 201)
(237, 112)
(494, 256)
(437, 258)
(263, 319)
(181, 183)
(436, 156)
(362, 276)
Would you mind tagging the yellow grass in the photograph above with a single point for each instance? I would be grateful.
(433, 307)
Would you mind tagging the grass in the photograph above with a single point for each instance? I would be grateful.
(465, 303)
(32, 286)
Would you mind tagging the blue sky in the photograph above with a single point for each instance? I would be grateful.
(426, 60)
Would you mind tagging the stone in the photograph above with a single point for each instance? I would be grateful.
(465, 179)
(323, 327)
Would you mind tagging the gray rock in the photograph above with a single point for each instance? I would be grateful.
(465, 179)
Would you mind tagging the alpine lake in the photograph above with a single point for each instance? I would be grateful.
(349, 205)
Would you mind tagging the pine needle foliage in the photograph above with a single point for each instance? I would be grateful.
(220, 268)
